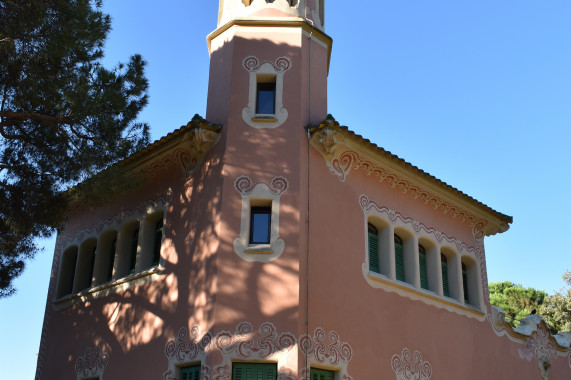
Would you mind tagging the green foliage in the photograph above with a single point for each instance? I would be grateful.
(516, 301)
(557, 307)
(63, 116)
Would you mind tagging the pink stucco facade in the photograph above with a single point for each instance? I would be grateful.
(308, 298)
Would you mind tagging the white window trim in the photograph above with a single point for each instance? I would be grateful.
(255, 67)
(259, 191)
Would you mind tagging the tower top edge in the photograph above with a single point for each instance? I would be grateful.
(311, 11)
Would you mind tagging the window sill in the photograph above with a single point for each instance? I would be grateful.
(264, 119)
(107, 288)
(378, 280)
(259, 249)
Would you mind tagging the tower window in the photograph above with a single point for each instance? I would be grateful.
(260, 224)
(133, 251)
(444, 266)
(266, 98)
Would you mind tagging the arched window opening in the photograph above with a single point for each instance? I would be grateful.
(85, 262)
(67, 272)
(373, 239)
(445, 283)
(399, 258)
(111, 260)
(133, 250)
(158, 239)
(465, 283)
(423, 266)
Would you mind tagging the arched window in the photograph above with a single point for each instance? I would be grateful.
(111, 262)
(67, 272)
(133, 250)
(373, 248)
(158, 239)
(423, 266)
(444, 267)
(465, 283)
(399, 258)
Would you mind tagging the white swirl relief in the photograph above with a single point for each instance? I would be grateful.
(332, 352)
(409, 366)
(251, 193)
(265, 71)
(91, 364)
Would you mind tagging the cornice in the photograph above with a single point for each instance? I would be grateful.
(185, 147)
(344, 151)
(286, 22)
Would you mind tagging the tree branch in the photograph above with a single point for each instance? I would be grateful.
(37, 117)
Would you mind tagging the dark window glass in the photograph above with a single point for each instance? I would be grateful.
(423, 267)
(266, 98)
(260, 225)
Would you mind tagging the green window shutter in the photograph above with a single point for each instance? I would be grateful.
(158, 241)
(254, 371)
(190, 373)
(399, 258)
(133, 253)
(373, 249)
(321, 374)
(423, 267)
(444, 266)
(465, 283)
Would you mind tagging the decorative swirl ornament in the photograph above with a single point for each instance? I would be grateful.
(411, 368)
(92, 363)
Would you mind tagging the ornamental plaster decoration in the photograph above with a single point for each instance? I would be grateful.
(187, 348)
(91, 364)
(334, 353)
(341, 160)
(244, 343)
(538, 344)
(258, 70)
(382, 281)
(265, 344)
(197, 141)
(411, 367)
(251, 192)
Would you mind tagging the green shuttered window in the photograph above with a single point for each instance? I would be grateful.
(321, 374)
(444, 266)
(465, 283)
(190, 373)
(373, 249)
(423, 267)
(254, 371)
(399, 258)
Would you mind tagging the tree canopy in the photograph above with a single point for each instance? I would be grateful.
(557, 307)
(63, 116)
(516, 301)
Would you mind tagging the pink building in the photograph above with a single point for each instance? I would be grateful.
(269, 242)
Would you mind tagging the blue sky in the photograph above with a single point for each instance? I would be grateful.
(477, 94)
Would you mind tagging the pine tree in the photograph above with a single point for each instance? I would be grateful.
(63, 116)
